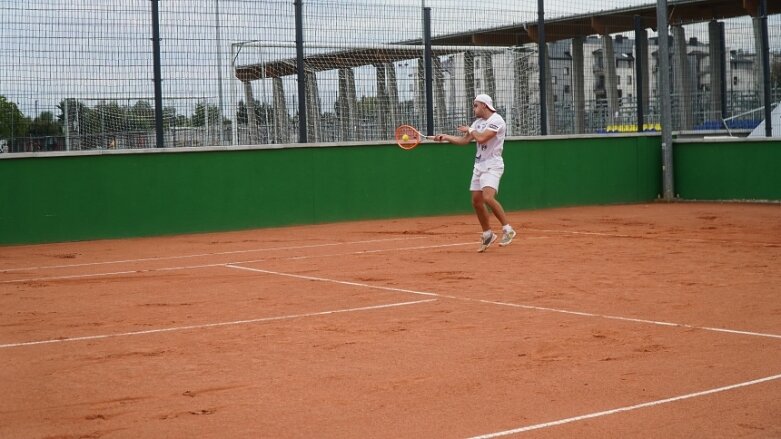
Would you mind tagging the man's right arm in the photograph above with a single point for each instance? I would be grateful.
(457, 140)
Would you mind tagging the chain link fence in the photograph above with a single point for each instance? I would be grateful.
(80, 74)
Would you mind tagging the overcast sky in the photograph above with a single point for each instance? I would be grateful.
(94, 49)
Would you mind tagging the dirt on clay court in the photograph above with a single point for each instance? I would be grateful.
(657, 320)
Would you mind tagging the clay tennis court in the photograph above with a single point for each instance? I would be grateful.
(657, 320)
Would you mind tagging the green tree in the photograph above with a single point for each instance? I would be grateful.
(180, 120)
(77, 115)
(111, 117)
(264, 114)
(241, 113)
(199, 116)
(45, 125)
(141, 116)
(171, 119)
(12, 122)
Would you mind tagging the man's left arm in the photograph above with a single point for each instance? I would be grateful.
(487, 134)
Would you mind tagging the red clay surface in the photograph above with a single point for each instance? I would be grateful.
(616, 321)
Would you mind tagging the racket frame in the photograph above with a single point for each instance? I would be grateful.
(410, 144)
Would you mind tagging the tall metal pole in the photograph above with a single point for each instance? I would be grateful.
(664, 93)
(640, 60)
(221, 116)
(427, 62)
(765, 66)
(67, 125)
(300, 71)
(723, 71)
(158, 79)
(541, 45)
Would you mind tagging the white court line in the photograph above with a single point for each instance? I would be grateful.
(630, 319)
(212, 325)
(571, 232)
(322, 279)
(222, 264)
(576, 232)
(117, 273)
(530, 307)
(514, 305)
(163, 258)
(363, 252)
(73, 276)
(657, 237)
(626, 409)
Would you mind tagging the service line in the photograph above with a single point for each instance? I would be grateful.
(212, 325)
(657, 237)
(510, 304)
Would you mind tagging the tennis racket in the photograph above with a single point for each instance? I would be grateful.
(408, 137)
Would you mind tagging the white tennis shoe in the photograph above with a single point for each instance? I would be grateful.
(486, 242)
(507, 238)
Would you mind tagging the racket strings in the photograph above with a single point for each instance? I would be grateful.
(407, 137)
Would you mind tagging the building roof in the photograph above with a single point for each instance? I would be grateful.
(345, 58)
(603, 23)
(607, 22)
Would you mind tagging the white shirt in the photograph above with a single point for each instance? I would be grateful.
(491, 150)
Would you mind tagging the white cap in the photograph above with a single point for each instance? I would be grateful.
(487, 101)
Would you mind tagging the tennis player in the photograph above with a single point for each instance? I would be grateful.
(488, 130)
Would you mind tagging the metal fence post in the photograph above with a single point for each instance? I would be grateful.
(664, 92)
(158, 78)
(300, 71)
(765, 57)
(542, 49)
(427, 54)
(641, 51)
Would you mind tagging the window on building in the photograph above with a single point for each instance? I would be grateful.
(618, 80)
(566, 71)
(566, 89)
(629, 79)
(553, 79)
(477, 63)
(478, 83)
(734, 80)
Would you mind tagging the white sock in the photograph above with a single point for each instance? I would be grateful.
(507, 228)
(487, 233)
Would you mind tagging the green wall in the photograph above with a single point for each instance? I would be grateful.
(728, 170)
(89, 196)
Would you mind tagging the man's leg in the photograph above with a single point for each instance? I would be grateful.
(489, 198)
(508, 234)
(489, 236)
(478, 204)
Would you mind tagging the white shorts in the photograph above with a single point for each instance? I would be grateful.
(486, 176)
